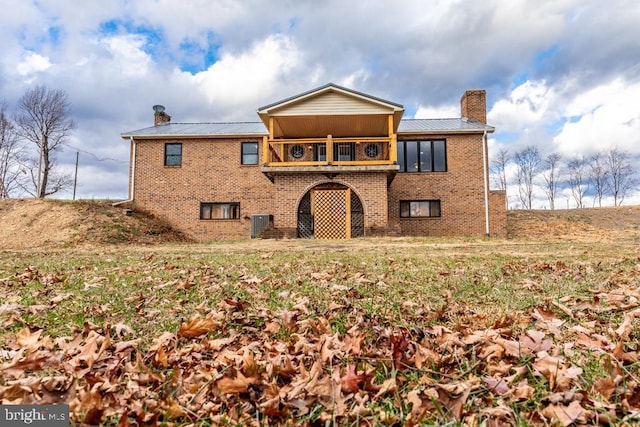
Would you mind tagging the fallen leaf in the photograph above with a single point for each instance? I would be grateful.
(198, 326)
(566, 415)
(453, 397)
(28, 340)
(386, 387)
(626, 327)
(236, 385)
(523, 391)
(605, 387)
(498, 386)
(535, 341)
(350, 380)
(399, 345)
(421, 404)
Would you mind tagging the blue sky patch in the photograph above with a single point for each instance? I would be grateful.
(155, 43)
(546, 54)
(55, 34)
(505, 137)
(194, 57)
(520, 79)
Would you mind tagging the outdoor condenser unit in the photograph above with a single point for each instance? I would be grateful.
(259, 223)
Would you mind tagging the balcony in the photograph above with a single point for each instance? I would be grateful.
(330, 155)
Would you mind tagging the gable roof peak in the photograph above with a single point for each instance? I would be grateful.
(329, 87)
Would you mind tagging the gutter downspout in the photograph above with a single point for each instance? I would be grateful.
(486, 183)
(133, 174)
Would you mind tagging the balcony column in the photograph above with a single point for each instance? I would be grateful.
(265, 150)
(393, 145)
(329, 149)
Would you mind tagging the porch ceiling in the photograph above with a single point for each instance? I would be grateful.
(313, 126)
(331, 110)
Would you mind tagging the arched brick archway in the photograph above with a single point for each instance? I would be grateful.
(317, 208)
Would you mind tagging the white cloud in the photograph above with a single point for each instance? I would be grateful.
(528, 105)
(127, 54)
(355, 79)
(243, 80)
(580, 56)
(33, 63)
(609, 116)
(441, 112)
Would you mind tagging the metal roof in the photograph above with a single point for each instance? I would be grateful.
(200, 129)
(441, 125)
(407, 126)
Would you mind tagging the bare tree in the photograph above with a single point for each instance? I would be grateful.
(578, 180)
(621, 177)
(11, 153)
(527, 162)
(598, 176)
(43, 118)
(550, 175)
(498, 171)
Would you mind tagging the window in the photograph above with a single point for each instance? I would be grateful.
(249, 153)
(419, 208)
(219, 210)
(173, 154)
(422, 155)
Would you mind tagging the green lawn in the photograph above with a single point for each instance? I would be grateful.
(361, 332)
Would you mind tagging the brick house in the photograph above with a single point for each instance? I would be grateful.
(328, 163)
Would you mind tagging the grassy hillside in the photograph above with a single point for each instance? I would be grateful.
(29, 223)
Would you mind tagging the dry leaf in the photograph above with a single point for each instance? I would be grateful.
(198, 326)
(566, 415)
(239, 384)
(387, 386)
(498, 386)
(605, 387)
(28, 340)
(350, 380)
(626, 327)
(535, 341)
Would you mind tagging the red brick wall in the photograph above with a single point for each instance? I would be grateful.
(211, 172)
(498, 213)
(371, 188)
(460, 191)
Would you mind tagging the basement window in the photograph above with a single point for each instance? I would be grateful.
(419, 208)
(219, 211)
(173, 154)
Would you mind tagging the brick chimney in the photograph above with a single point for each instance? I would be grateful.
(159, 116)
(473, 105)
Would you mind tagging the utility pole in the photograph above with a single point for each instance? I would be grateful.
(75, 178)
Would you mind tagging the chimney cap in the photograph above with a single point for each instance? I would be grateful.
(158, 108)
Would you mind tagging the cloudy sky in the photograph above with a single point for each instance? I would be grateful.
(561, 75)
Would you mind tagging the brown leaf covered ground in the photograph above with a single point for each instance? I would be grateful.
(366, 332)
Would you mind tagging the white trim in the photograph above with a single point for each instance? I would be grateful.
(133, 175)
(485, 161)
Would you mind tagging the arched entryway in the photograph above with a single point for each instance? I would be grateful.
(330, 211)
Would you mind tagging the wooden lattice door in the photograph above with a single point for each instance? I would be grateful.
(331, 213)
